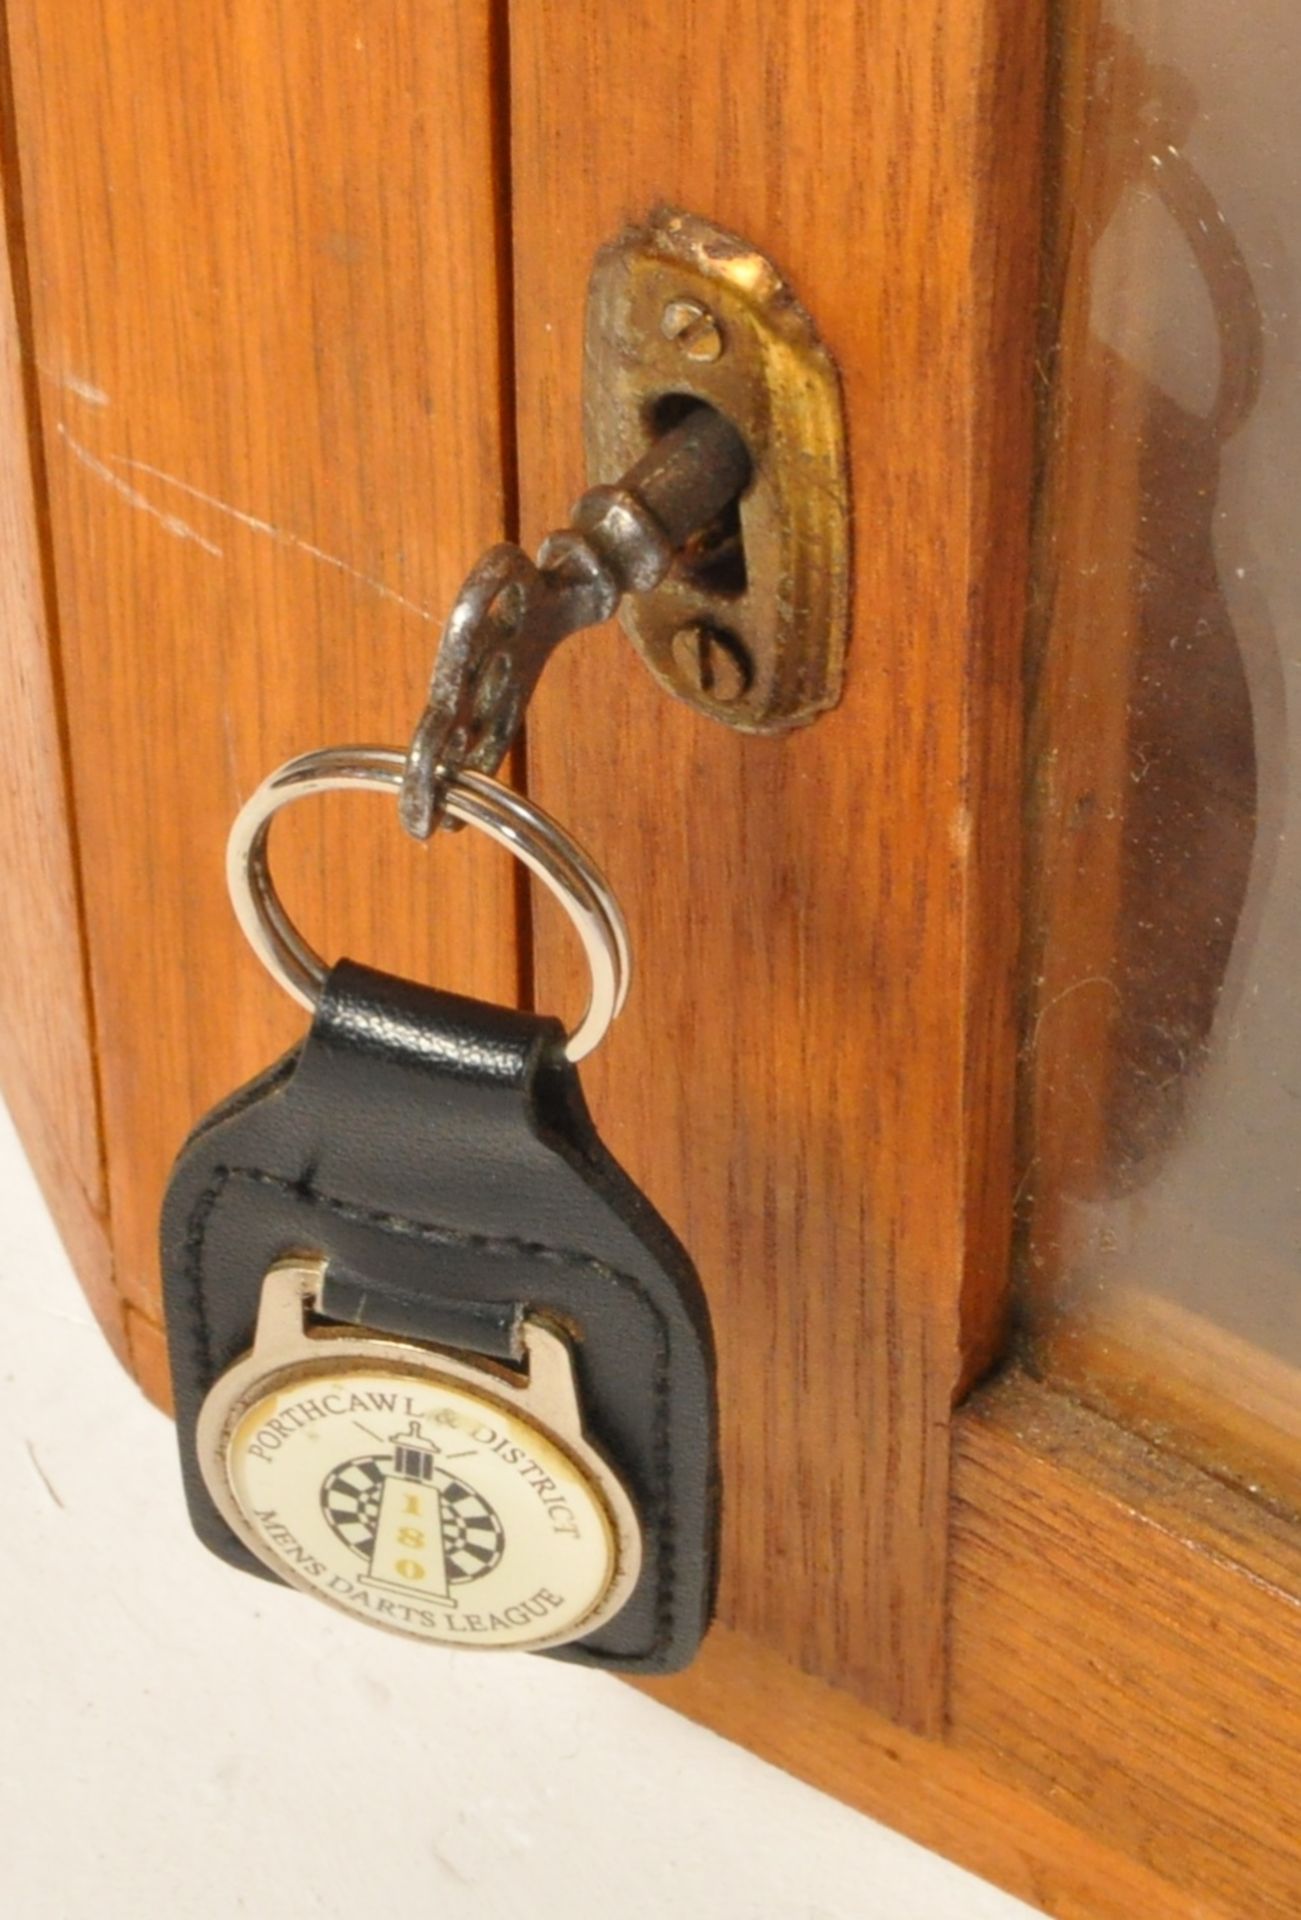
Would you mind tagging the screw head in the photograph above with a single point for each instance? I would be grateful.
(711, 663)
(694, 328)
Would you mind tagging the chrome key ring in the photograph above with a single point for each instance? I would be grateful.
(506, 817)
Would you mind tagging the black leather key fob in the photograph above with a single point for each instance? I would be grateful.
(436, 1359)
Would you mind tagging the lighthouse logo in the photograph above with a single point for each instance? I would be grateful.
(422, 1506)
(420, 1529)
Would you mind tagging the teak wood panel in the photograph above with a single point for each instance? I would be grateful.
(813, 1077)
(802, 1015)
(46, 1055)
(1124, 1638)
(267, 323)
(1124, 1683)
(940, 1798)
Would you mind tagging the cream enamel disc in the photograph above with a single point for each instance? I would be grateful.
(420, 1505)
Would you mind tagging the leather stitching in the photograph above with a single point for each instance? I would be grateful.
(400, 1226)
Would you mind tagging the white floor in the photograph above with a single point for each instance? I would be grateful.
(182, 1742)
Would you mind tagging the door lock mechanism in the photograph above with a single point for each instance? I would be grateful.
(724, 546)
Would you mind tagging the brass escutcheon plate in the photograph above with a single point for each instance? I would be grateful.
(681, 312)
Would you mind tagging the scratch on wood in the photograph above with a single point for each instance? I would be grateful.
(74, 384)
(1076, 986)
(231, 756)
(181, 528)
(44, 1477)
(256, 524)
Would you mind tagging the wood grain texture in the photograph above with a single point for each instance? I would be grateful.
(266, 304)
(813, 1078)
(1124, 1638)
(1124, 1689)
(1182, 1380)
(1080, 661)
(46, 1050)
(940, 1797)
(267, 316)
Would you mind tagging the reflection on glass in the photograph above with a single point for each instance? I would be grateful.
(1161, 1182)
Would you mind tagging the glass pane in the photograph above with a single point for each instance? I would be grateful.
(1160, 1195)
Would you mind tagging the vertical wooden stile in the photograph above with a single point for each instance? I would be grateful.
(815, 1076)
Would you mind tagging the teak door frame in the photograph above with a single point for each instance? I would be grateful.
(829, 1116)
(1094, 1635)
(1016, 1631)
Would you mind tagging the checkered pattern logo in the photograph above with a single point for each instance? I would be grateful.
(473, 1537)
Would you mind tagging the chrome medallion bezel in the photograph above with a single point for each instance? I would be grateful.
(289, 1352)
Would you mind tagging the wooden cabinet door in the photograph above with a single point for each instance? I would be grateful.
(262, 283)
(295, 331)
